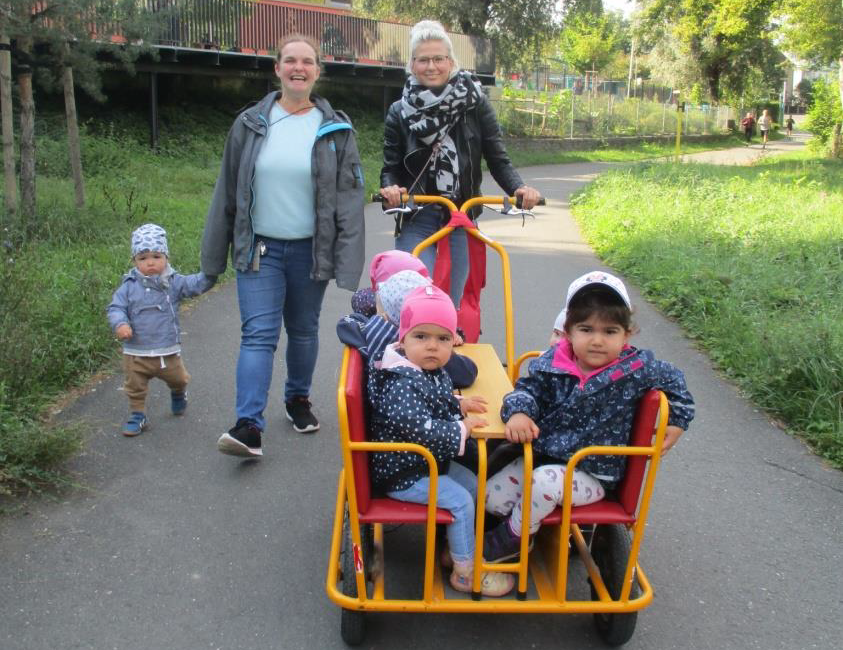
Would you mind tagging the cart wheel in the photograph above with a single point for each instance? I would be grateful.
(352, 623)
(610, 549)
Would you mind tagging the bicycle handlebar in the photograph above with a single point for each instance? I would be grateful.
(376, 197)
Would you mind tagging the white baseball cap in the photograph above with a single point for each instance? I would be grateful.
(601, 278)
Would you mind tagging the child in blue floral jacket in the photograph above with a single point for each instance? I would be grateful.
(583, 391)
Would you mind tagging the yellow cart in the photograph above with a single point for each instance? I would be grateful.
(357, 563)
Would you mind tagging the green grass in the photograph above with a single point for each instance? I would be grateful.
(750, 261)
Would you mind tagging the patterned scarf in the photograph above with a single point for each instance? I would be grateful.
(431, 118)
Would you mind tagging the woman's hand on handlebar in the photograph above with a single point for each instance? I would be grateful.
(528, 196)
(392, 196)
(520, 428)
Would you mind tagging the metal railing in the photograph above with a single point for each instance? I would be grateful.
(256, 25)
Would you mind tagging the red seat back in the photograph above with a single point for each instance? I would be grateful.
(355, 401)
(643, 427)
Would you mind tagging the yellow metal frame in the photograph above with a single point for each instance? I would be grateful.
(549, 568)
(474, 232)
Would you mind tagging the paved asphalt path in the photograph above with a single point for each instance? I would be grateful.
(173, 545)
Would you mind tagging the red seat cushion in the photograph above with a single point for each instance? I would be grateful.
(602, 512)
(390, 511)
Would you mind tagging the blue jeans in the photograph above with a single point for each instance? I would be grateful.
(457, 491)
(279, 291)
(426, 222)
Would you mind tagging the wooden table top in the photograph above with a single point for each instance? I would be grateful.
(492, 383)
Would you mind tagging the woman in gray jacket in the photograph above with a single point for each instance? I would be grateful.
(288, 204)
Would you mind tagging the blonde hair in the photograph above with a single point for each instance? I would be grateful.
(284, 41)
(430, 30)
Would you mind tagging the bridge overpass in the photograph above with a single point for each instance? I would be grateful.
(237, 38)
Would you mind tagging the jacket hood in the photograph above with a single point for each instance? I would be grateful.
(393, 360)
(164, 278)
(564, 360)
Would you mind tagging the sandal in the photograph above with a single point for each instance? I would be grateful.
(493, 584)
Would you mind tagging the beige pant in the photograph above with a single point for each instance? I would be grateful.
(139, 370)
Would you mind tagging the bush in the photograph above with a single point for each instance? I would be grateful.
(825, 113)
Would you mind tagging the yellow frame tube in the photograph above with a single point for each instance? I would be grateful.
(509, 320)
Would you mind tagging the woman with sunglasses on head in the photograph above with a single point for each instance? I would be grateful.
(434, 139)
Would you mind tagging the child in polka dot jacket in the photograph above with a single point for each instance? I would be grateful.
(412, 400)
(582, 391)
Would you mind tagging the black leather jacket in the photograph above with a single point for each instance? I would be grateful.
(476, 134)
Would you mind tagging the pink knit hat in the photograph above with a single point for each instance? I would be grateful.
(425, 305)
(385, 265)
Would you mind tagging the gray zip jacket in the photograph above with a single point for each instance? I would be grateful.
(150, 305)
(339, 236)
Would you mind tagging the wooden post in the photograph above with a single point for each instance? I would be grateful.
(153, 110)
(27, 136)
(74, 150)
(10, 195)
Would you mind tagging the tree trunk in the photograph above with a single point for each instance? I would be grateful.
(10, 194)
(27, 137)
(73, 137)
(835, 146)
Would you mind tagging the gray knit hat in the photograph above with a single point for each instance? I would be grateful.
(150, 237)
(392, 292)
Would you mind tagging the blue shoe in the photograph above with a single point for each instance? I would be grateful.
(500, 544)
(178, 402)
(136, 424)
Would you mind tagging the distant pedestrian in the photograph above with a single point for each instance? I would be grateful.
(144, 314)
(765, 123)
(789, 122)
(748, 125)
(288, 205)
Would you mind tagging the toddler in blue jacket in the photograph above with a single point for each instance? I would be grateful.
(144, 315)
(582, 391)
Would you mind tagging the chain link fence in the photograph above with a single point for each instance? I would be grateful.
(593, 115)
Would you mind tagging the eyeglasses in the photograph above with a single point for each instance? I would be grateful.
(438, 61)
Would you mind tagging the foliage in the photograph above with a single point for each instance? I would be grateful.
(519, 28)
(813, 29)
(749, 261)
(722, 37)
(589, 42)
(825, 112)
(62, 31)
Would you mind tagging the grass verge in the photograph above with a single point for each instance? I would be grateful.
(750, 261)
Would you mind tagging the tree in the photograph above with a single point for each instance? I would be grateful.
(519, 28)
(813, 29)
(717, 35)
(589, 42)
(57, 40)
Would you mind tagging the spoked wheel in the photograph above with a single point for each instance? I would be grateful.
(352, 623)
(610, 548)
